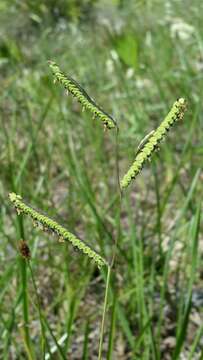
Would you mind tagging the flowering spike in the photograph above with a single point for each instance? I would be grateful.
(152, 141)
(62, 233)
(77, 91)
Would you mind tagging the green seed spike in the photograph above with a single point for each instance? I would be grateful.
(77, 91)
(52, 225)
(152, 141)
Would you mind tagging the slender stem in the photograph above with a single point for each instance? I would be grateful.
(118, 199)
(25, 298)
(43, 335)
(110, 267)
(25, 305)
(104, 312)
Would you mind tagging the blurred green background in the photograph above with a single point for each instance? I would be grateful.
(135, 58)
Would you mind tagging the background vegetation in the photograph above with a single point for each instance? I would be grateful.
(135, 58)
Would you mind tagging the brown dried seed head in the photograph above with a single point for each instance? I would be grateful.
(24, 250)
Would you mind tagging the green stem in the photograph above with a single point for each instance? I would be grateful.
(43, 335)
(25, 305)
(104, 312)
(25, 300)
(118, 218)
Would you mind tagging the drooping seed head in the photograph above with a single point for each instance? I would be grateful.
(74, 88)
(47, 223)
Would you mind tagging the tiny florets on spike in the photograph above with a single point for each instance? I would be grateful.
(62, 233)
(152, 141)
(78, 92)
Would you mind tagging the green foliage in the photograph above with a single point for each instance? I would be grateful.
(126, 46)
(52, 153)
(52, 10)
(9, 50)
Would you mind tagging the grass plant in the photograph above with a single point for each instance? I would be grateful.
(142, 298)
